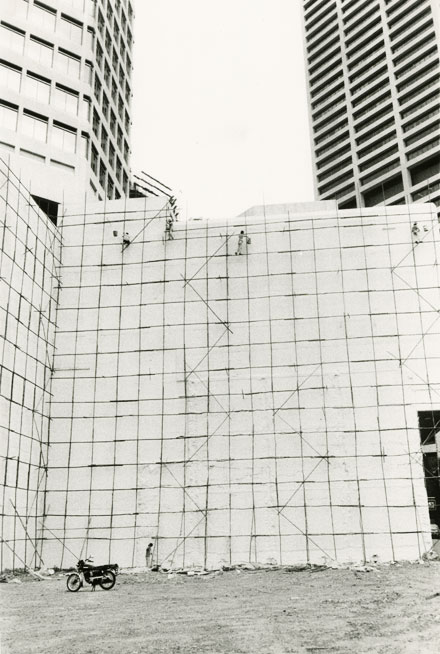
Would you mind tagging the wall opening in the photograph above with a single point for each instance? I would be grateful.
(429, 426)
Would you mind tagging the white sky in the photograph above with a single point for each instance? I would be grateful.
(219, 107)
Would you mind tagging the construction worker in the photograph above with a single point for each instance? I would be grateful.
(169, 228)
(149, 555)
(415, 230)
(240, 243)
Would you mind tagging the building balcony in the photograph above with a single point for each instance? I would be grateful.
(334, 171)
(400, 7)
(322, 93)
(417, 67)
(429, 145)
(370, 15)
(315, 7)
(429, 110)
(354, 9)
(340, 107)
(328, 131)
(416, 83)
(333, 145)
(323, 40)
(399, 41)
(382, 170)
(408, 14)
(371, 136)
(316, 107)
(378, 148)
(320, 24)
(328, 63)
(354, 43)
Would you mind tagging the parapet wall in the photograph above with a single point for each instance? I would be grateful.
(249, 407)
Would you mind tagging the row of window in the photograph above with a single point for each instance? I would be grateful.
(40, 128)
(46, 18)
(106, 180)
(66, 139)
(40, 51)
(118, 28)
(43, 90)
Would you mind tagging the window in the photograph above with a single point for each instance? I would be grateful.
(12, 39)
(108, 41)
(65, 99)
(11, 77)
(88, 72)
(110, 188)
(120, 107)
(94, 159)
(34, 126)
(111, 155)
(107, 74)
(85, 140)
(63, 137)
(97, 88)
(112, 122)
(100, 23)
(118, 169)
(104, 139)
(40, 51)
(71, 29)
(126, 151)
(96, 122)
(38, 88)
(102, 174)
(69, 63)
(119, 138)
(99, 54)
(114, 91)
(44, 16)
(49, 207)
(85, 107)
(105, 105)
(115, 60)
(90, 38)
(8, 116)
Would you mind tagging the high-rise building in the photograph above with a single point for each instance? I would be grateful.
(65, 68)
(373, 85)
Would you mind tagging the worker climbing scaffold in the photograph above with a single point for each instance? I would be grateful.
(169, 228)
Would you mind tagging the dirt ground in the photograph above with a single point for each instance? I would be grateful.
(390, 610)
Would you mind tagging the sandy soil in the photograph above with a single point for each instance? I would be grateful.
(391, 610)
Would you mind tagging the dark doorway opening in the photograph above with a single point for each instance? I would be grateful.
(429, 426)
(49, 207)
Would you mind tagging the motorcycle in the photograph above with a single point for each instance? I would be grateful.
(102, 575)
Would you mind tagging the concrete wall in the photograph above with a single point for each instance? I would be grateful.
(242, 408)
(30, 249)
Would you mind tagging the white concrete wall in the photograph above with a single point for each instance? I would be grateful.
(30, 248)
(264, 410)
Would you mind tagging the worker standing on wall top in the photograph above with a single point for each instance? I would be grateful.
(240, 243)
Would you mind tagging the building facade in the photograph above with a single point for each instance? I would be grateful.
(229, 398)
(373, 92)
(65, 96)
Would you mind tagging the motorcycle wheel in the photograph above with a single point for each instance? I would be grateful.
(108, 580)
(74, 582)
